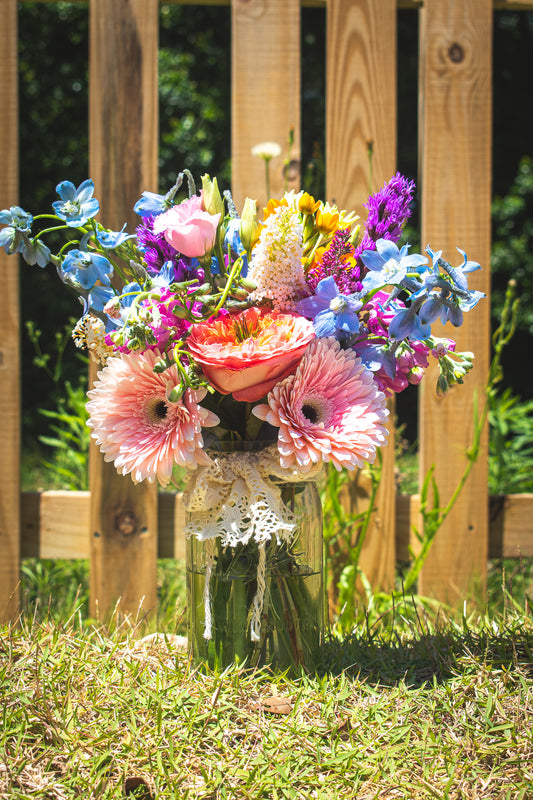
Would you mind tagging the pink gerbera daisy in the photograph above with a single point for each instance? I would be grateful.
(136, 425)
(330, 409)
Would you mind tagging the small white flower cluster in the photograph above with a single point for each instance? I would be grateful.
(89, 334)
(276, 265)
(266, 150)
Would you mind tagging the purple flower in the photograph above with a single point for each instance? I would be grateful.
(154, 247)
(388, 211)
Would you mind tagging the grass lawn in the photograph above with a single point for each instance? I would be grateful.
(414, 709)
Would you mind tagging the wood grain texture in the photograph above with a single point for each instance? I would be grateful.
(265, 103)
(518, 5)
(361, 114)
(54, 525)
(123, 111)
(9, 325)
(455, 162)
(378, 554)
(123, 105)
(360, 99)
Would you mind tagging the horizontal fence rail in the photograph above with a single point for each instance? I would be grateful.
(123, 528)
(54, 525)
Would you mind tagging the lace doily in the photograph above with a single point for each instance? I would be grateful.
(235, 498)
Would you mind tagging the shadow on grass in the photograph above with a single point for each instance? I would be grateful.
(430, 657)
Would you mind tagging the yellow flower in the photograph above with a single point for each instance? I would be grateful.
(273, 204)
(307, 204)
(327, 221)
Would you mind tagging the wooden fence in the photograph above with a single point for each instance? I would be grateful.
(124, 528)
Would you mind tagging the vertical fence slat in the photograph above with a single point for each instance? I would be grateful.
(455, 97)
(265, 102)
(9, 325)
(361, 115)
(123, 161)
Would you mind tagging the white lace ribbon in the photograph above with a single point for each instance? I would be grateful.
(235, 499)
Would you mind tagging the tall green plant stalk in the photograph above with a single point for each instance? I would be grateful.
(434, 516)
(432, 513)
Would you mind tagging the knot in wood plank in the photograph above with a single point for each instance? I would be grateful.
(127, 523)
(456, 53)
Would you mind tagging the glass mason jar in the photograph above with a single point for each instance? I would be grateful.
(291, 630)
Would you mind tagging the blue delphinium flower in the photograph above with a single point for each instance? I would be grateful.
(128, 294)
(19, 224)
(407, 323)
(232, 241)
(164, 278)
(449, 295)
(76, 205)
(388, 264)
(333, 313)
(151, 204)
(112, 239)
(376, 356)
(34, 251)
(97, 298)
(17, 218)
(15, 237)
(85, 269)
(232, 237)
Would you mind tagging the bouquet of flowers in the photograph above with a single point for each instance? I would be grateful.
(289, 328)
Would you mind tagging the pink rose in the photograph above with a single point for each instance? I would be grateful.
(188, 228)
(246, 354)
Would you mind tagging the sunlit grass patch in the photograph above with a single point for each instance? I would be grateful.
(419, 711)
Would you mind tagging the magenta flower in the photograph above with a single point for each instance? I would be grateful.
(136, 425)
(394, 368)
(329, 410)
(188, 228)
(337, 262)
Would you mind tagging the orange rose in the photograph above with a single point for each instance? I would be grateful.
(246, 354)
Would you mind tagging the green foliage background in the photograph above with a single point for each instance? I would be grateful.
(195, 131)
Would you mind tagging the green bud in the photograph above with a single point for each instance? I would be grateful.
(248, 284)
(203, 289)
(181, 286)
(442, 386)
(180, 311)
(237, 305)
(137, 270)
(176, 393)
(211, 197)
(355, 235)
(250, 227)
(160, 366)
(239, 293)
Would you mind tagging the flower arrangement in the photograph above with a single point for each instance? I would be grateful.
(290, 328)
